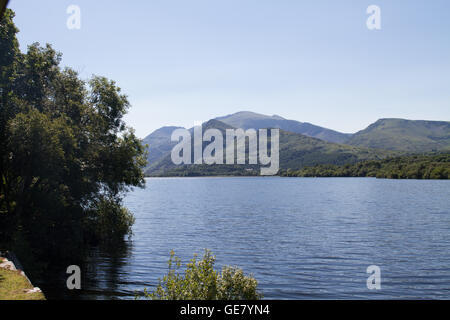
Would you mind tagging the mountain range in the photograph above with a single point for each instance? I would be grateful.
(247, 120)
(304, 144)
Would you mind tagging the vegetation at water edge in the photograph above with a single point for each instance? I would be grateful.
(435, 166)
(67, 158)
(201, 282)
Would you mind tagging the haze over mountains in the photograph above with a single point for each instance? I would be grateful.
(304, 144)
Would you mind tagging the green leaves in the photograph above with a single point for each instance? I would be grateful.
(67, 157)
(234, 285)
(109, 104)
(201, 282)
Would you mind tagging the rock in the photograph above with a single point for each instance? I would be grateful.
(6, 264)
(34, 290)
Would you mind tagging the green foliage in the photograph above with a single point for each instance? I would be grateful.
(435, 166)
(66, 155)
(234, 285)
(109, 220)
(201, 282)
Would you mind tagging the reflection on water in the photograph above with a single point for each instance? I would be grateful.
(104, 270)
(101, 273)
(301, 238)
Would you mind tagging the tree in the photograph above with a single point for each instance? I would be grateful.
(3, 4)
(67, 156)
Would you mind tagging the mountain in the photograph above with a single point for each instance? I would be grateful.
(296, 151)
(247, 120)
(159, 144)
(303, 144)
(413, 136)
(165, 167)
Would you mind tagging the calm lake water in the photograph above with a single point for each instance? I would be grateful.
(302, 238)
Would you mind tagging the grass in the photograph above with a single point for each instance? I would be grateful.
(13, 286)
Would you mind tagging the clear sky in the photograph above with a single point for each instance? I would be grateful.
(182, 61)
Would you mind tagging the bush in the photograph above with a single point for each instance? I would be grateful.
(108, 222)
(201, 282)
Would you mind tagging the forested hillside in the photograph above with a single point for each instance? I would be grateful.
(406, 167)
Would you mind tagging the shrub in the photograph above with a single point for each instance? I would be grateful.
(201, 282)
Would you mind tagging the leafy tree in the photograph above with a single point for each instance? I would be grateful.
(67, 157)
(201, 282)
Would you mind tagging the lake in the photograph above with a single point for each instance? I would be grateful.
(302, 238)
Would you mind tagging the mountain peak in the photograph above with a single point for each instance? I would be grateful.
(253, 120)
(275, 116)
(244, 115)
(163, 131)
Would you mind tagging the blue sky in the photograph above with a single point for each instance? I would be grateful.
(315, 61)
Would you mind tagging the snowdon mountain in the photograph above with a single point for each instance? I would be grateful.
(247, 120)
(159, 144)
(304, 144)
(296, 151)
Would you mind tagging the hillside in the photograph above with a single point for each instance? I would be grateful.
(404, 135)
(303, 144)
(159, 144)
(247, 120)
(406, 167)
(296, 151)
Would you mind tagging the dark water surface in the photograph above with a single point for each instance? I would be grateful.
(302, 238)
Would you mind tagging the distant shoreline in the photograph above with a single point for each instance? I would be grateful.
(197, 177)
(409, 167)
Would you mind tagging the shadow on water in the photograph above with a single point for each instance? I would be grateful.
(100, 274)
